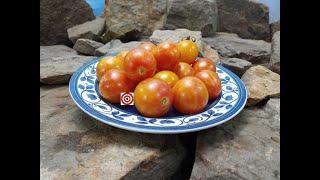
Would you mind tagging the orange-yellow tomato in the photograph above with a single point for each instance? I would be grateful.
(212, 82)
(167, 55)
(122, 55)
(153, 97)
(170, 77)
(190, 95)
(113, 83)
(204, 64)
(188, 50)
(149, 46)
(106, 64)
(183, 69)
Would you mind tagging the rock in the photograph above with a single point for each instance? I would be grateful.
(58, 62)
(261, 83)
(86, 46)
(246, 147)
(75, 146)
(193, 15)
(247, 18)
(116, 46)
(177, 35)
(236, 65)
(232, 46)
(210, 53)
(274, 27)
(129, 19)
(89, 30)
(56, 16)
(275, 53)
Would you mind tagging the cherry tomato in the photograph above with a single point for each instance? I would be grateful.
(204, 64)
(139, 64)
(188, 50)
(106, 64)
(190, 95)
(153, 97)
(122, 55)
(149, 46)
(183, 69)
(170, 77)
(212, 82)
(167, 55)
(113, 83)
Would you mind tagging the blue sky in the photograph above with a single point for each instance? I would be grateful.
(274, 9)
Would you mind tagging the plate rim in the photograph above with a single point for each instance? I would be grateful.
(157, 129)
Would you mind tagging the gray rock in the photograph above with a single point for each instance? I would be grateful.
(116, 46)
(159, 36)
(275, 53)
(75, 146)
(58, 62)
(56, 16)
(232, 46)
(247, 147)
(238, 66)
(86, 46)
(210, 53)
(194, 15)
(89, 30)
(133, 18)
(261, 83)
(274, 27)
(247, 18)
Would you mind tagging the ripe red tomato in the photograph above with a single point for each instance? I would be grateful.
(188, 50)
(106, 64)
(204, 64)
(190, 95)
(153, 97)
(167, 56)
(113, 83)
(139, 64)
(183, 69)
(212, 82)
(170, 77)
(149, 46)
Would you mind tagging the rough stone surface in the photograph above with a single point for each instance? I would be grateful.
(261, 83)
(58, 62)
(176, 35)
(75, 146)
(247, 147)
(230, 45)
(134, 18)
(194, 15)
(274, 27)
(86, 46)
(275, 53)
(56, 16)
(116, 46)
(247, 18)
(210, 53)
(236, 65)
(89, 30)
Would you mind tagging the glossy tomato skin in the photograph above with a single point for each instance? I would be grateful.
(167, 55)
(190, 95)
(139, 64)
(204, 64)
(212, 82)
(149, 46)
(188, 50)
(122, 55)
(113, 83)
(183, 69)
(153, 97)
(106, 64)
(168, 76)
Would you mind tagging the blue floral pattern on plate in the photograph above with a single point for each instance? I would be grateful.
(83, 88)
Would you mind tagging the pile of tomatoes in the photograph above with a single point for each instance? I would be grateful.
(161, 76)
